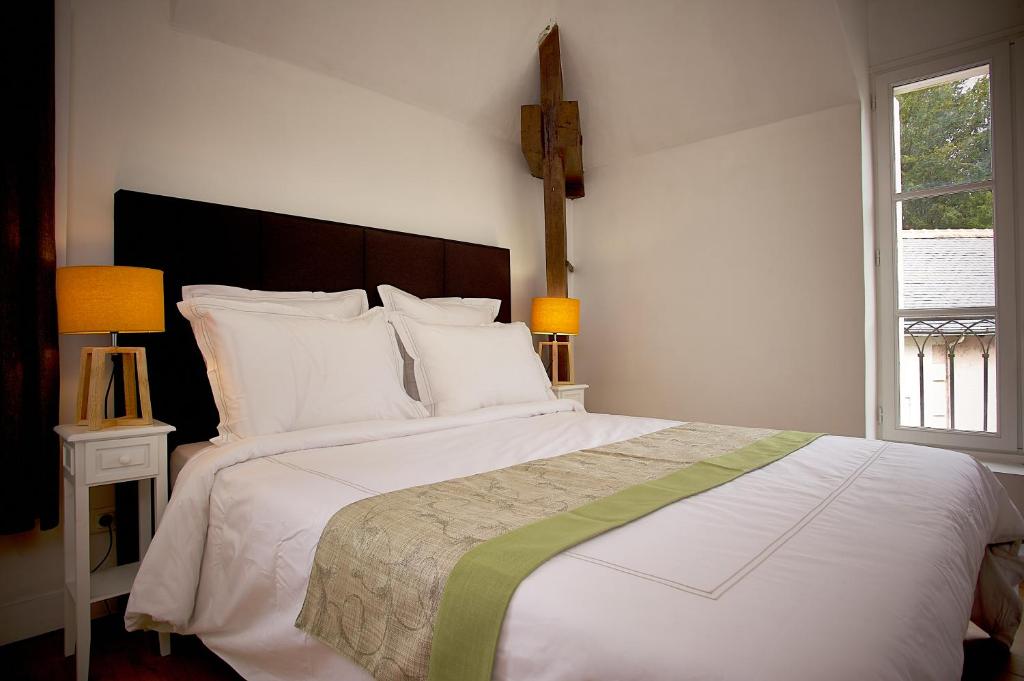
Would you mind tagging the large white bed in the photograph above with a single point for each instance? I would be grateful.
(845, 559)
(848, 559)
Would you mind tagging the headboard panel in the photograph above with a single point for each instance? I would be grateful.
(411, 262)
(194, 242)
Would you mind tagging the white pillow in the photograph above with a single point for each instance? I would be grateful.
(440, 310)
(275, 368)
(336, 304)
(462, 368)
(463, 311)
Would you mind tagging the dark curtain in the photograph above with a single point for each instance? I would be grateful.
(28, 337)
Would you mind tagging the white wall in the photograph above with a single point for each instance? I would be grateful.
(723, 280)
(854, 19)
(157, 110)
(899, 29)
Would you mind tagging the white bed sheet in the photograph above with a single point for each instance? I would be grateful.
(849, 559)
(184, 453)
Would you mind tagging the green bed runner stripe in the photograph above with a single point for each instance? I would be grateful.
(481, 585)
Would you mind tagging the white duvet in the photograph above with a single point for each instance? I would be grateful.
(848, 559)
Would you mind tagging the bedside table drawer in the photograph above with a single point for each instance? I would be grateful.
(124, 459)
(572, 394)
(570, 391)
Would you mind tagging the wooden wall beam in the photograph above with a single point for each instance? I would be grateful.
(570, 145)
(553, 147)
(554, 228)
(554, 176)
(531, 135)
(550, 71)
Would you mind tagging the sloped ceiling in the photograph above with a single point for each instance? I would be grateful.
(649, 74)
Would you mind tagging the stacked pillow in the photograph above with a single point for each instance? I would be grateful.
(278, 364)
(460, 311)
(335, 305)
(280, 361)
(461, 360)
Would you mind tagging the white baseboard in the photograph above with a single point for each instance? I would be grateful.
(31, 616)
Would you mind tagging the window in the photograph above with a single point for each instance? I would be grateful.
(946, 254)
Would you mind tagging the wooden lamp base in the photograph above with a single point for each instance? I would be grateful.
(93, 379)
(558, 350)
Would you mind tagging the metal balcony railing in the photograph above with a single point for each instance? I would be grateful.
(952, 333)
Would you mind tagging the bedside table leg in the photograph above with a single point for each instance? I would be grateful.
(82, 624)
(69, 567)
(82, 584)
(145, 515)
(151, 500)
(69, 624)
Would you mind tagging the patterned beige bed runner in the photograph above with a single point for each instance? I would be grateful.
(382, 564)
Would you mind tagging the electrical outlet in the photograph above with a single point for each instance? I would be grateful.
(94, 519)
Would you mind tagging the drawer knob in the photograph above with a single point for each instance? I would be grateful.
(125, 460)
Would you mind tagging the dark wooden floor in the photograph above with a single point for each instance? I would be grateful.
(121, 656)
(988, 661)
(117, 655)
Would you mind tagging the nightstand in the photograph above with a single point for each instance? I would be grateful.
(102, 457)
(570, 391)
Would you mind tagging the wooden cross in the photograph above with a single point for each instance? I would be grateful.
(553, 147)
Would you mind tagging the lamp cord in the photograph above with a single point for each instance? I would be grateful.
(115, 361)
(106, 395)
(110, 547)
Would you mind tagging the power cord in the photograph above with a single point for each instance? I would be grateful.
(106, 395)
(107, 521)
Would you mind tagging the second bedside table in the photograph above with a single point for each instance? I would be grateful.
(101, 457)
(570, 391)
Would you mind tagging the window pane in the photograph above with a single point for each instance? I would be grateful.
(948, 374)
(962, 210)
(946, 251)
(944, 132)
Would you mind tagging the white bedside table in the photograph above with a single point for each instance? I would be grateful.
(570, 391)
(101, 457)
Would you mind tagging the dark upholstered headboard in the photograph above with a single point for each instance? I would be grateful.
(204, 243)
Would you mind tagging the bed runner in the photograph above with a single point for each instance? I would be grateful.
(414, 584)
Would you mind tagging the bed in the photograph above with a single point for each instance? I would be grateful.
(181, 455)
(845, 559)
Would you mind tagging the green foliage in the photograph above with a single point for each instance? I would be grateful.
(945, 140)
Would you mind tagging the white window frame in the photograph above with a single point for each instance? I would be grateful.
(890, 339)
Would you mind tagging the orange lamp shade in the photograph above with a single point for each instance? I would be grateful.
(556, 315)
(107, 298)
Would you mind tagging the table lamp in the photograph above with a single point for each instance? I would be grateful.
(556, 317)
(111, 299)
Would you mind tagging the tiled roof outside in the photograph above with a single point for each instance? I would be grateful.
(947, 268)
